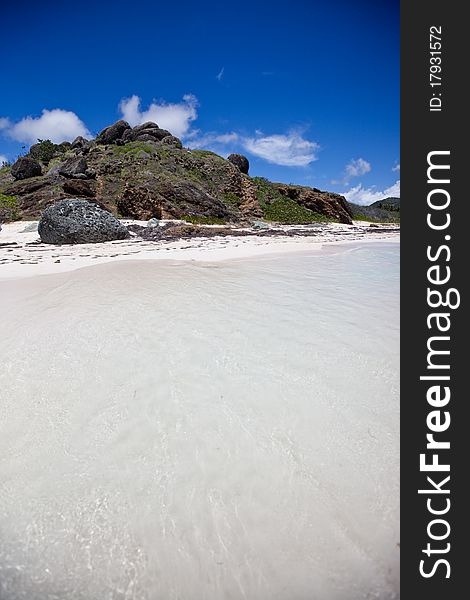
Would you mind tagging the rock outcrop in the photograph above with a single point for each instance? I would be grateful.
(114, 132)
(143, 172)
(80, 188)
(172, 140)
(184, 198)
(80, 142)
(26, 167)
(79, 222)
(333, 206)
(240, 161)
(74, 168)
(140, 203)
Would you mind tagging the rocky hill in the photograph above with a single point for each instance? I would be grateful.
(392, 204)
(382, 211)
(145, 172)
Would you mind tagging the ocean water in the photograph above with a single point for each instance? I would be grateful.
(192, 431)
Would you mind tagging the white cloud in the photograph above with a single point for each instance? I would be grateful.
(3, 159)
(176, 118)
(365, 196)
(357, 167)
(396, 167)
(4, 123)
(213, 140)
(289, 150)
(56, 125)
(220, 74)
(227, 138)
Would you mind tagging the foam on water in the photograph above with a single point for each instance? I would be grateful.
(202, 431)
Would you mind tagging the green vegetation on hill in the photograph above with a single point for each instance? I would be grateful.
(382, 211)
(277, 207)
(143, 171)
(9, 209)
(391, 204)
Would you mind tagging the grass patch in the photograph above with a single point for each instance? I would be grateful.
(201, 220)
(133, 148)
(373, 214)
(194, 175)
(231, 199)
(205, 154)
(276, 207)
(288, 212)
(9, 209)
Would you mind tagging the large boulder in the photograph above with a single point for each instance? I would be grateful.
(146, 125)
(139, 203)
(157, 133)
(145, 133)
(144, 137)
(26, 167)
(114, 132)
(80, 143)
(74, 168)
(182, 198)
(77, 221)
(240, 161)
(172, 140)
(78, 187)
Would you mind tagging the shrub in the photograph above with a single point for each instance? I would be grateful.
(9, 209)
(276, 207)
(45, 150)
(205, 154)
(133, 148)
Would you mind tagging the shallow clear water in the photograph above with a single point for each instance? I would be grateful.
(202, 431)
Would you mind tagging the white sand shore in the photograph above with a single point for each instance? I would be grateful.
(202, 431)
(22, 254)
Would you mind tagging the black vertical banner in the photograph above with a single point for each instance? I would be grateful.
(434, 268)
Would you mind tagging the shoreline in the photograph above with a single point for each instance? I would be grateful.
(21, 256)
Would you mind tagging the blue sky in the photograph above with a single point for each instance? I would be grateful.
(308, 90)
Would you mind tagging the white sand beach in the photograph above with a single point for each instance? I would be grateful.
(22, 254)
(200, 429)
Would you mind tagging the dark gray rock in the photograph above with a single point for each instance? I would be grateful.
(26, 167)
(77, 187)
(139, 203)
(260, 225)
(180, 198)
(144, 137)
(128, 136)
(145, 133)
(144, 126)
(240, 161)
(114, 132)
(74, 168)
(157, 133)
(172, 140)
(80, 142)
(77, 221)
